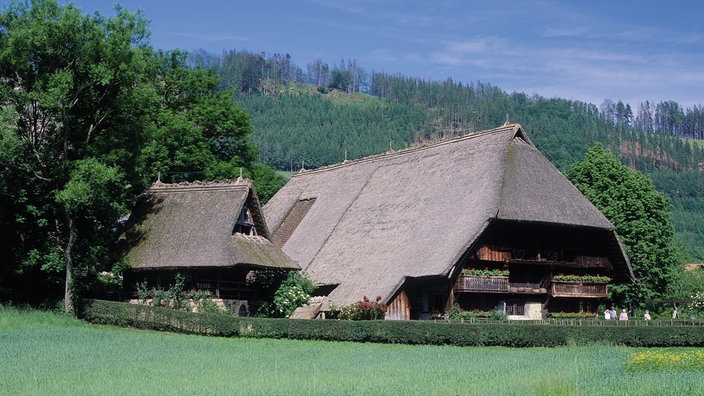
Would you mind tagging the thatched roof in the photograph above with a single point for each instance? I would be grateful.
(191, 225)
(414, 213)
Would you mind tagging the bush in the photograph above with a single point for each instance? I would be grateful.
(364, 309)
(509, 334)
(176, 297)
(572, 315)
(158, 318)
(294, 291)
(457, 313)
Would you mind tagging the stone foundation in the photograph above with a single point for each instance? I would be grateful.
(532, 311)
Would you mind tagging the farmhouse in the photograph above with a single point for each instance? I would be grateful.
(482, 221)
(213, 234)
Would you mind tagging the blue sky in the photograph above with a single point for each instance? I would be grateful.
(582, 50)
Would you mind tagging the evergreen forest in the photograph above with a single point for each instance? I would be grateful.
(322, 114)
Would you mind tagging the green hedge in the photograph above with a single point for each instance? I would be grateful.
(509, 334)
(157, 318)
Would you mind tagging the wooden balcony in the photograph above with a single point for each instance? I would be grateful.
(549, 257)
(578, 289)
(482, 284)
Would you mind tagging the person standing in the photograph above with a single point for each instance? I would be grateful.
(612, 313)
(607, 315)
(647, 315)
(624, 315)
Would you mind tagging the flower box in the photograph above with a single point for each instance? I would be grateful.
(581, 278)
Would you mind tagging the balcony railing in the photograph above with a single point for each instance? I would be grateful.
(483, 284)
(578, 289)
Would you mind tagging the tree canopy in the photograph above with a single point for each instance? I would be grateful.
(641, 216)
(90, 114)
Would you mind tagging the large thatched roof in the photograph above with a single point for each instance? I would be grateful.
(191, 225)
(366, 225)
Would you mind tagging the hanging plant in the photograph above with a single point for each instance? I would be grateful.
(484, 272)
(581, 278)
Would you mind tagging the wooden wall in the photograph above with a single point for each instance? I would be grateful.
(399, 308)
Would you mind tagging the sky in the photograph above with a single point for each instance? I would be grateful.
(580, 50)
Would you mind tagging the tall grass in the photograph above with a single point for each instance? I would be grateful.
(43, 353)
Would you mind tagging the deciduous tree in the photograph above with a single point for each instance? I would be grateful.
(89, 114)
(641, 216)
(65, 77)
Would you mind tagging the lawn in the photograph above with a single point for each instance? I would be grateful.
(47, 354)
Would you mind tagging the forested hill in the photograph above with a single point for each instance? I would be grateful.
(325, 114)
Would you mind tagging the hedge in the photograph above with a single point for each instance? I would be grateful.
(508, 334)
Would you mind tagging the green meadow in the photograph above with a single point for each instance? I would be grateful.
(47, 354)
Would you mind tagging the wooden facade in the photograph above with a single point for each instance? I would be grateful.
(531, 277)
(399, 308)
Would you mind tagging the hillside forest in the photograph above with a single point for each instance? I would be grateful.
(323, 114)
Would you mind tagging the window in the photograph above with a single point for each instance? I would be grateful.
(245, 224)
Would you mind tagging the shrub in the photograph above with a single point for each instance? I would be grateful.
(457, 313)
(158, 318)
(581, 278)
(508, 334)
(364, 309)
(294, 291)
(485, 272)
(176, 297)
(696, 305)
(572, 315)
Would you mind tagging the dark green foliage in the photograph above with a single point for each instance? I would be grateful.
(653, 334)
(685, 190)
(641, 216)
(65, 79)
(294, 291)
(312, 130)
(158, 318)
(90, 116)
(266, 181)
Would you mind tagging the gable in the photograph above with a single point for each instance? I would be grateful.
(192, 225)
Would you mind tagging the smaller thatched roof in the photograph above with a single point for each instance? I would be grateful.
(190, 225)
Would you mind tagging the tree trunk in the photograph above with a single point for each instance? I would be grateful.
(68, 296)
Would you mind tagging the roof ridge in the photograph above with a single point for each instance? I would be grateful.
(223, 184)
(515, 127)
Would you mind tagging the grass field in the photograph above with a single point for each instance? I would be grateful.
(46, 354)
